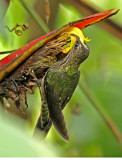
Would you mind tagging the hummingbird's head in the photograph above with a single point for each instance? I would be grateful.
(80, 51)
(77, 54)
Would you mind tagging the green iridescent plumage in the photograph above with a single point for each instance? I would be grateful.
(59, 84)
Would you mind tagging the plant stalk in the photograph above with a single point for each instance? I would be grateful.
(102, 113)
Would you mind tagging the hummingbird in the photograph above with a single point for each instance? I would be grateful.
(58, 86)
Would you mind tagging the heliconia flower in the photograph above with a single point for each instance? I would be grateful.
(72, 29)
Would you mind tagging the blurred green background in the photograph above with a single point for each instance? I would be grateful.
(102, 72)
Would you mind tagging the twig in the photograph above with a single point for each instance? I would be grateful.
(101, 111)
(35, 16)
(23, 27)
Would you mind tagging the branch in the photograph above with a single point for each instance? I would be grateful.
(102, 113)
(35, 16)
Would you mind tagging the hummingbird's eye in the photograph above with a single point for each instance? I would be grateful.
(76, 45)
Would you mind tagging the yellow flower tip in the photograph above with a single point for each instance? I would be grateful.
(72, 33)
(87, 39)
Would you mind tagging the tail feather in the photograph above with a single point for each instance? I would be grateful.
(59, 123)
